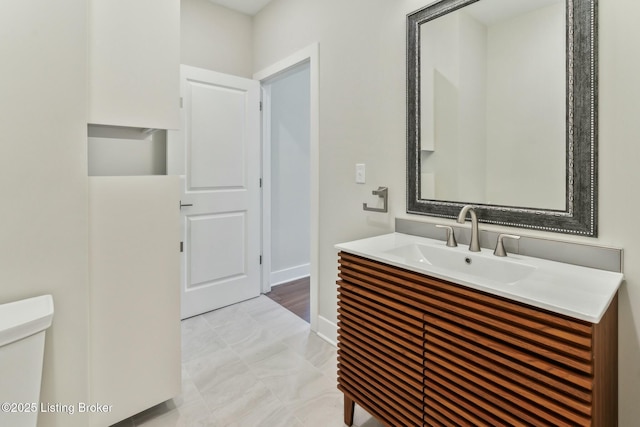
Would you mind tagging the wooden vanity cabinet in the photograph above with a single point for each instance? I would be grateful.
(414, 350)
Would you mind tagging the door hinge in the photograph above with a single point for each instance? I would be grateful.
(260, 182)
(181, 246)
(260, 105)
(181, 102)
(260, 259)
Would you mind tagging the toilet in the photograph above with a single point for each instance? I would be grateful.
(22, 329)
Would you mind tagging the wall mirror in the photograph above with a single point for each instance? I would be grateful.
(502, 112)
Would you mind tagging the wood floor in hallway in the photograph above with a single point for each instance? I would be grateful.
(294, 296)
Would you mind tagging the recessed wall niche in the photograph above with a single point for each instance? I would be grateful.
(126, 151)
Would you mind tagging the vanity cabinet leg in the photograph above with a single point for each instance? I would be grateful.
(349, 405)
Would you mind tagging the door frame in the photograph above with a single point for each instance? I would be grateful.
(308, 54)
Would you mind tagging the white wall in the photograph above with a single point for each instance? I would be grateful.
(454, 48)
(440, 41)
(440, 119)
(43, 189)
(472, 164)
(215, 38)
(290, 183)
(526, 103)
(618, 154)
(362, 119)
(458, 45)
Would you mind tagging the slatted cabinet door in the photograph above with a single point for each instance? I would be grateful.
(487, 361)
(380, 346)
(491, 362)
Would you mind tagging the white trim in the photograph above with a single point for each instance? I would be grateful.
(328, 331)
(310, 54)
(266, 187)
(289, 274)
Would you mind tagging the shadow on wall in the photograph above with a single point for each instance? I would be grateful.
(628, 349)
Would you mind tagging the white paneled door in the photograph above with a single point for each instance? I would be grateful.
(217, 151)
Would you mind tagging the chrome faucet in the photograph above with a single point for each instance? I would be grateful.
(474, 244)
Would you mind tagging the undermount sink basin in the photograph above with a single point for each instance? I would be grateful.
(475, 264)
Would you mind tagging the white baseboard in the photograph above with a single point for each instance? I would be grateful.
(289, 274)
(328, 331)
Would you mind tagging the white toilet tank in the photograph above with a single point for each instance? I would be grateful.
(22, 329)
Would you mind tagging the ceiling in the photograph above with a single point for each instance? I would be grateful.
(248, 7)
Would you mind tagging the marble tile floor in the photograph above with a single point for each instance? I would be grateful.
(253, 364)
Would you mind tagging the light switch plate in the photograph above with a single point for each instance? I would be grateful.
(360, 173)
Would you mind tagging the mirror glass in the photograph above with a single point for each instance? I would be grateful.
(498, 114)
(492, 80)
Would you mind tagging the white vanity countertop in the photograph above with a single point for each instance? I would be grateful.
(579, 292)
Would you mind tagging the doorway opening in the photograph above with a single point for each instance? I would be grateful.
(286, 127)
(290, 173)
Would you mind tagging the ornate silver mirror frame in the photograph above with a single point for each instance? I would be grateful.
(580, 214)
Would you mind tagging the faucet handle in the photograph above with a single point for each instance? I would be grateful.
(500, 251)
(451, 237)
